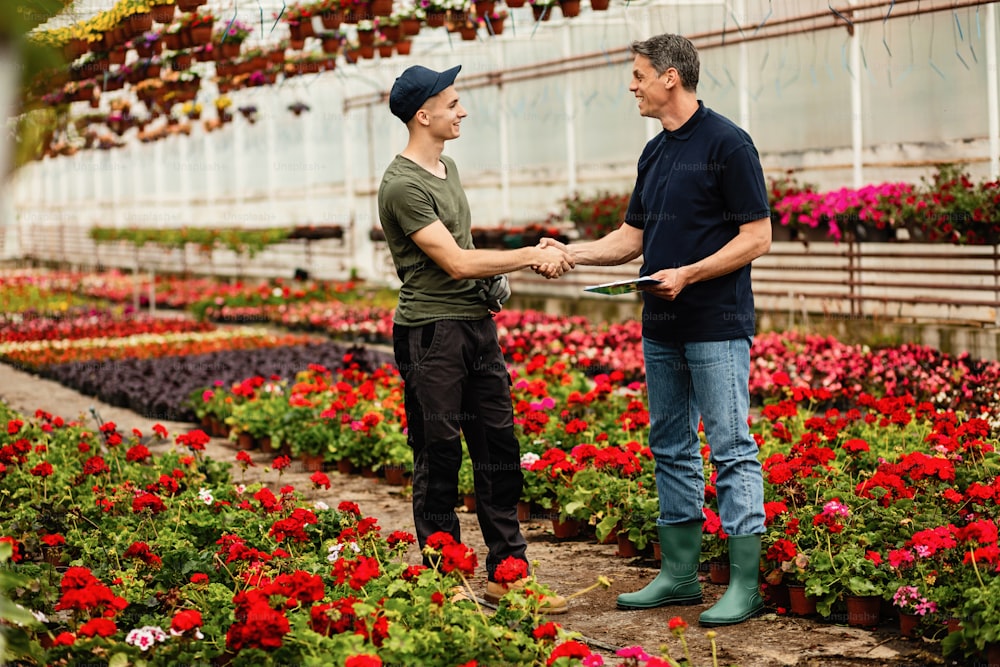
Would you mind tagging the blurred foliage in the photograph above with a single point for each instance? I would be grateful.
(17, 19)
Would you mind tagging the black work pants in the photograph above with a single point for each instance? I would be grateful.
(456, 383)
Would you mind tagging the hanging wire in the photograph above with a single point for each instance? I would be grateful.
(225, 33)
(541, 17)
(278, 17)
(261, 7)
(846, 20)
(798, 65)
(979, 35)
(961, 37)
(885, 19)
(724, 12)
(770, 11)
(708, 73)
(913, 59)
(930, 57)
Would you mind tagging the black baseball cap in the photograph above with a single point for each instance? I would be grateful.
(415, 86)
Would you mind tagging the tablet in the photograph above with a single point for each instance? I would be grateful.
(622, 286)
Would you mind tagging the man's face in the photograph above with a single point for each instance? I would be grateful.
(649, 89)
(445, 113)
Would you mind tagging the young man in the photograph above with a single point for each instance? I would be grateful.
(698, 215)
(444, 337)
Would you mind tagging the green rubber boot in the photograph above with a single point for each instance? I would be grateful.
(742, 598)
(677, 583)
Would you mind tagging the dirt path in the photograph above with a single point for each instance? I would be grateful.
(766, 641)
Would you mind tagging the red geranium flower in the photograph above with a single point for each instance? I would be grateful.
(320, 480)
(141, 551)
(17, 556)
(185, 621)
(511, 569)
(102, 627)
(458, 557)
(138, 453)
(95, 465)
(547, 630)
(677, 625)
(43, 469)
(399, 538)
(64, 639)
(147, 501)
(570, 649)
(348, 507)
(195, 440)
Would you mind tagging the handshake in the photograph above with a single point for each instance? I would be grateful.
(554, 259)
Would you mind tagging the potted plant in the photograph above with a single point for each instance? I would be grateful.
(979, 634)
(542, 9)
(298, 18)
(913, 609)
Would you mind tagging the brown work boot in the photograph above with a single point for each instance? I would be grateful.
(551, 603)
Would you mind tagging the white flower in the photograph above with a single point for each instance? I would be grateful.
(337, 548)
(146, 636)
(320, 505)
(40, 617)
(528, 459)
(206, 496)
(240, 488)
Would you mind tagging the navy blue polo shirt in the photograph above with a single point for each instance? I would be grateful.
(695, 187)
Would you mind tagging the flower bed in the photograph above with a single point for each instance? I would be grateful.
(78, 324)
(200, 570)
(131, 382)
(36, 355)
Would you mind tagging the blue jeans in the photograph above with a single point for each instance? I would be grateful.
(708, 381)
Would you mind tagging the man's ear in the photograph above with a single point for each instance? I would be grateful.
(670, 78)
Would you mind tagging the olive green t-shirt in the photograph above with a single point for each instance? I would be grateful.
(409, 199)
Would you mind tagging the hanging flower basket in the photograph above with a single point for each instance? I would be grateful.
(140, 22)
(380, 7)
(391, 33)
(484, 7)
(189, 5)
(332, 19)
(541, 12)
(163, 13)
(569, 8)
(410, 27)
(201, 34)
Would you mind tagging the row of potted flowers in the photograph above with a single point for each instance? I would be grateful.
(864, 500)
(346, 311)
(199, 569)
(946, 207)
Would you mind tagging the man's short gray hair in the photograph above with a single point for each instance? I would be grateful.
(666, 51)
